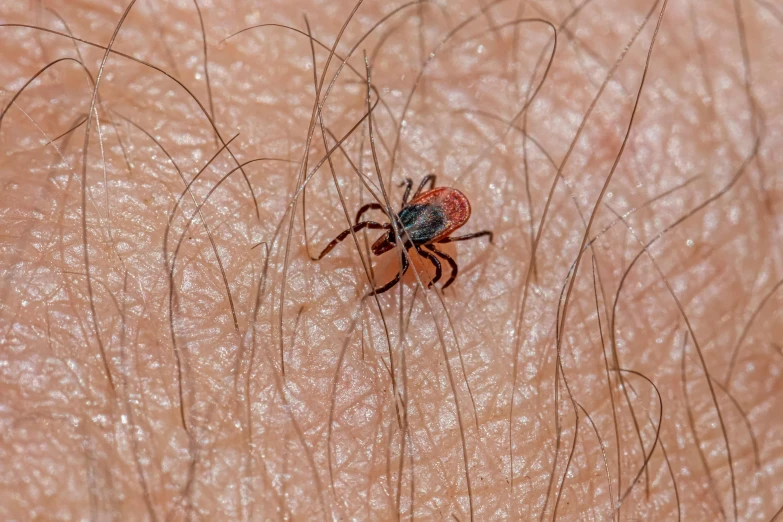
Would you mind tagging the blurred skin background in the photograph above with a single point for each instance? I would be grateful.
(171, 352)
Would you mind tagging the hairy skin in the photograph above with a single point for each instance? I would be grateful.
(170, 358)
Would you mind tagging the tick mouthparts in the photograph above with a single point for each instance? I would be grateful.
(382, 245)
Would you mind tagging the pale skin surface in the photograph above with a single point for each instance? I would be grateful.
(130, 395)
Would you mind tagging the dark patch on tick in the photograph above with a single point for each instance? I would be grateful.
(423, 222)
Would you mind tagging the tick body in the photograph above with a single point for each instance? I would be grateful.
(428, 219)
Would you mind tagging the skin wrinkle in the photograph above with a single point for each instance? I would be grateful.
(333, 439)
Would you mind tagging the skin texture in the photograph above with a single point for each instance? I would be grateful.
(163, 361)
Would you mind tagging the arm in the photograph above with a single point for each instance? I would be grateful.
(150, 393)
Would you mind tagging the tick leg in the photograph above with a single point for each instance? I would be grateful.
(396, 279)
(365, 208)
(429, 178)
(434, 260)
(449, 260)
(408, 184)
(468, 236)
(372, 225)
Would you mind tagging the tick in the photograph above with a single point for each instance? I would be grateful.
(428, 219)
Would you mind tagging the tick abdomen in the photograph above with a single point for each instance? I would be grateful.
(435, 214)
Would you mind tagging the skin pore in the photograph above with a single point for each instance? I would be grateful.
(171, 352)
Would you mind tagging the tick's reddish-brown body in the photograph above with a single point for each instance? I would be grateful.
(430, 217)
(455, 205)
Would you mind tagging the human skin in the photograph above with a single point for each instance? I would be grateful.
(132, 390)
